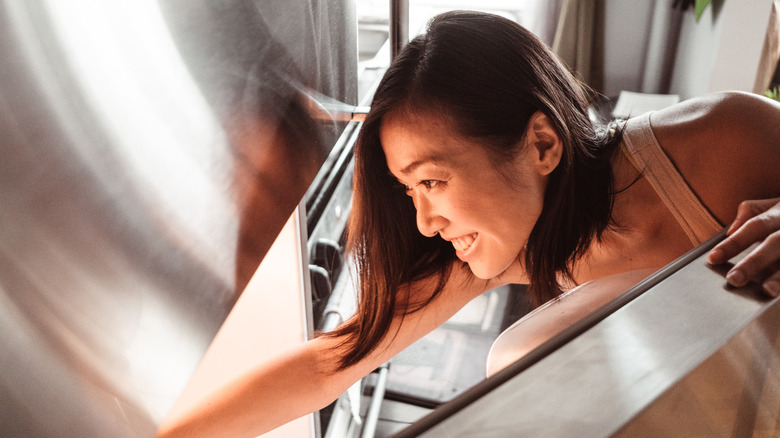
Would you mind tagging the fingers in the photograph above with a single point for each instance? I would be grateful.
(764, 257)
(772, 285)
(749, 209)
(755, 220)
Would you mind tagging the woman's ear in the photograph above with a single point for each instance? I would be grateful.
(546, 144)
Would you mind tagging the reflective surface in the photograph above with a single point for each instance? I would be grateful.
(151, 151)
(556, 315)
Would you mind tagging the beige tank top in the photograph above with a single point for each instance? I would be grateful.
(643, 150)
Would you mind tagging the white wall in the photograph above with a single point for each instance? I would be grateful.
(723, 50)
(720, 52)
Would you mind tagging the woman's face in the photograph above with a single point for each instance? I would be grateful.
(485, 212)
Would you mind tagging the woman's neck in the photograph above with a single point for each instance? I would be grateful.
(639, 237)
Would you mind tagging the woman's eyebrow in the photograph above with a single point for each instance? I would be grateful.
(437, 159)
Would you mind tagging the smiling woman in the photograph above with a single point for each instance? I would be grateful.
(513, 124)
(478, 166)
(486, 215)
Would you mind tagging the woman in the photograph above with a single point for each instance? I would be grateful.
(478, 166)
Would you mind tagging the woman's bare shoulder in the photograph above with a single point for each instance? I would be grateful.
(726, 145)
(726, 113)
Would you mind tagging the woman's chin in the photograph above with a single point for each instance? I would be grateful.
(513, 271)
(484, 272)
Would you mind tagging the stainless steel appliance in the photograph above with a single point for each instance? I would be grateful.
(151, 151)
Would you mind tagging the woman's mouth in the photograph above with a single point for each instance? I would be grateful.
(463, 243)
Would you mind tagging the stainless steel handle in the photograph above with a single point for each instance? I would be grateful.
(399, 26)
(369, 426)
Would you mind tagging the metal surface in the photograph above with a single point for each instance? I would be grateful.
(399, 26)
(369, 426)
(558, 314)
(682, 355)
(151, 151)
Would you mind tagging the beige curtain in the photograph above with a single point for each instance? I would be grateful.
(579, 39)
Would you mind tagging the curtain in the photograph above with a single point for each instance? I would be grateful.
(579, 39)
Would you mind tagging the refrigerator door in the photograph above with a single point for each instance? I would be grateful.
(151, 152)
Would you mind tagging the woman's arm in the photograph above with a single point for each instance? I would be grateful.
(269, 395)
(307, 378)
(743, 140)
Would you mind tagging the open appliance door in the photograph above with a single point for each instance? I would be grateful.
(151, 153)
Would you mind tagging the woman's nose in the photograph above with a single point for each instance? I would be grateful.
(428, 221)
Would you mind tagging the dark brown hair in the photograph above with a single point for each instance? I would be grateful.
(488, 75)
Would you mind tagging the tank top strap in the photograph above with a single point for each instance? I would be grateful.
(644, 152)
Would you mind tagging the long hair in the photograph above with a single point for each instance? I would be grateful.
(488, 75)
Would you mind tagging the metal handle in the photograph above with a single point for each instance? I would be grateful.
(399, 26)
(369, 426)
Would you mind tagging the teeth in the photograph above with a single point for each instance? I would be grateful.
(464, 243)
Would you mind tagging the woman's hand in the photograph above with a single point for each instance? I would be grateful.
(756, 221)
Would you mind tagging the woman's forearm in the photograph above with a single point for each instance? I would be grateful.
(307, 378)
(268, 396)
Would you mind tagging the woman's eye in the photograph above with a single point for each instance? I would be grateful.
(429, 183)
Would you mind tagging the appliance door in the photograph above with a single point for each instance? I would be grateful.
(151, 152)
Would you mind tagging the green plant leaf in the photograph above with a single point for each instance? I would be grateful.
(773, 93)
(700, 6)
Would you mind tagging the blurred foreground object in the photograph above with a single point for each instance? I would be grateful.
(151, 153)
